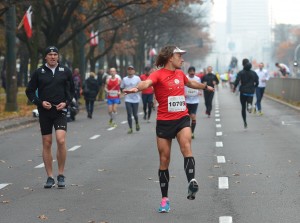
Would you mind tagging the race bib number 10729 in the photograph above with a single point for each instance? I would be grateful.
(176, 103)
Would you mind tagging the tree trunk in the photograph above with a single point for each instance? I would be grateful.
(76, 57)
(24, 60)
(11, 75)
(92, 59)
(82, 67)
(101, 49)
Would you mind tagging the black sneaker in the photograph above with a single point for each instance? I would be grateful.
(50, 183)
(245, 125)
(61, 181)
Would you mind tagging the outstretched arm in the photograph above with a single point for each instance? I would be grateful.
(141, 86)
(196, 85)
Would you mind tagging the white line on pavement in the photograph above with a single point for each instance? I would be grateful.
(219, 144)
(141, 113)
(219, 133)
(218, 125)
(95, 137)
(216, 111)
(74, 148)
(289, 122)
(42, 165)
(218, 120)
(217, 115)
(111, 128)
(221, 159)
(124, 122)
(223, 183)
(225, 219)
(3, 185)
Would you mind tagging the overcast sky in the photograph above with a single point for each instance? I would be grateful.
(284, 11)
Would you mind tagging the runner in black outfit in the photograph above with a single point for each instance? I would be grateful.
(55, 90)
(249, 81)
(211, 80)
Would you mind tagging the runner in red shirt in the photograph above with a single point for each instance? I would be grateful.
(112, 88)
(172, 117)
(147, 95)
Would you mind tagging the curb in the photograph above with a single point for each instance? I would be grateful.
(282, 102)
(17, 124)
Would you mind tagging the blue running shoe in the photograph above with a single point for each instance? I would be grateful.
(50, 183)
(164, 205)
(61, 181)
(192, 189)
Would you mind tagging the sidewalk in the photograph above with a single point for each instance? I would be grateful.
(7, 124)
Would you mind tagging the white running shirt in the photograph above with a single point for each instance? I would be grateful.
(263, 77)
(192, 95)
(128, 83)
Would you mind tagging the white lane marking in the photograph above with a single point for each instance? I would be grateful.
(74, 148)
(289, 122)
(3, 185)
(218, 125)
(124, 122)
(111, 128)
(223, 183)
(219, 144)
(216, 111)
(217, 115)
(225, 219)
(141, 113)
(218, 120)
(95, 137)
(221, 159)
(219, 133)
(42, 165)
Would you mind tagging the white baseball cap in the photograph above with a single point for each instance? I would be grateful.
(177, 50)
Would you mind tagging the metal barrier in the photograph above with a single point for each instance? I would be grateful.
(287, 89)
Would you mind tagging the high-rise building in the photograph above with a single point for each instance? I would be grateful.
(249, 29)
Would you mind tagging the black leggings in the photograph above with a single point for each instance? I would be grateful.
(244, 101)
(147, 103)
(208, 98)
(132, 109)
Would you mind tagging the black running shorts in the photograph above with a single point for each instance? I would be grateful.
(192, 108)
(52, 118)
(168, 129)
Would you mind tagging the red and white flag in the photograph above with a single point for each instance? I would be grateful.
(152, 52)
(28, 23)
(94, 40)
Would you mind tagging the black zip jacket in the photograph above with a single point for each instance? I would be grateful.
(209, 79)
(92, 87)
(54, 88)
(248, 79)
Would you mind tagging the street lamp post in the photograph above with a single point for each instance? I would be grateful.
(296, 67)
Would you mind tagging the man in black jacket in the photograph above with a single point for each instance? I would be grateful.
(211, 80)
(249, 81)
(51, 88)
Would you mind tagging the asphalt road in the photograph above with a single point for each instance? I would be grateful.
(246, 176)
